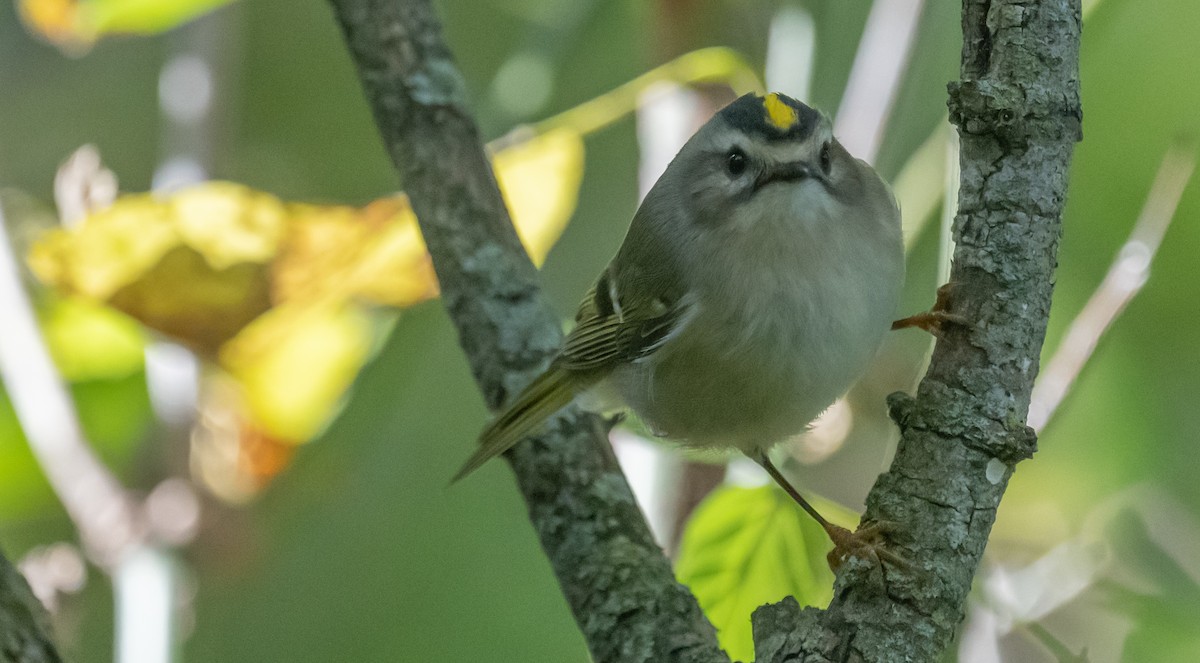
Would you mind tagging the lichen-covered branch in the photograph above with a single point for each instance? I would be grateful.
(24, 626)
(1018, 113)
(616, 580)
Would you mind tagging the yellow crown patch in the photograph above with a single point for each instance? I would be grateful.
(779, 114)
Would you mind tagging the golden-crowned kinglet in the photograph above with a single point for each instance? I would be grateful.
(755, 284)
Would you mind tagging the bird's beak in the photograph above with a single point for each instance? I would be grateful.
(785, 172)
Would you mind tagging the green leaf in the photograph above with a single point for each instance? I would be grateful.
(147, 16)
(75, 25)
(745, 547)
(91, 342)
(115, 414)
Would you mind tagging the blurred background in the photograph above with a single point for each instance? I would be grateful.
(229, 411)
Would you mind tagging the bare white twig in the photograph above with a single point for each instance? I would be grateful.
(875, 76)
(93, 498)
(1125, 278)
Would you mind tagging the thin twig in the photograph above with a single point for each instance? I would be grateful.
(876, 74)
(92, 496)
(1057, 648)
(1124, 280)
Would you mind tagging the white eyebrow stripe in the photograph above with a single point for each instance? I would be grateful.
(615, 298)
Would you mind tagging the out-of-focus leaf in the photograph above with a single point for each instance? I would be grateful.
(201, 264)
(745, 547)
(1029, 593)
(23, 487)
(294, 364)
(272, 290)
(115, 414)
(194, 265)
(1164, 617)
(92, 342)
(1011, 597)
(232, 455)
(540, 181)
(707, 65)
(340, 253)
(74, 25)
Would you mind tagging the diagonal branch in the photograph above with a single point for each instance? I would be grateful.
(616, 580)
(92, 496)
(1018, 113)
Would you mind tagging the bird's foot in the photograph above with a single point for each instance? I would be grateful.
(868, 543)
(935, 319)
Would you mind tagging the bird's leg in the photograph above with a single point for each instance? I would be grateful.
(935, 319)
(866, 543)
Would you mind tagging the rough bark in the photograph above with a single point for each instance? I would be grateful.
(24, 626)
(1018, 113)
(616, 580)
(1017, 108)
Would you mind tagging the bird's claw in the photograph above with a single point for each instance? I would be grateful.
(936, 318)
(933, 322)
(867, 543)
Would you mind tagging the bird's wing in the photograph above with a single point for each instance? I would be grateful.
(612, 328)
(547, 394)
(621, 321)
(638, 304)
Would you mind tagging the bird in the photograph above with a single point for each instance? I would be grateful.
(754, 286)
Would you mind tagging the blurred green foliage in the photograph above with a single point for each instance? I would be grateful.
(746, 547)
(1164, 598)
(100, 353)
(74, 25)
(360, 551)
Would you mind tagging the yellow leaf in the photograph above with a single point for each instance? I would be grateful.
(107, 252)
(228, 223)
(341, 253)
(57, 21)
(184, 297)
(294, 364)
(377, 253)
(74, 25)
(268, 287)
(195, 265)
(540, 181)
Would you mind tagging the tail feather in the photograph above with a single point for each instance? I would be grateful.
(548, 393)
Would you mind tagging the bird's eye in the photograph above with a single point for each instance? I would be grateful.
(826, 162)
(735, 162)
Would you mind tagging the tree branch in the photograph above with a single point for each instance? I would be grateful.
(616, 580)
(24, 627)
(1018, 113)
